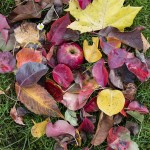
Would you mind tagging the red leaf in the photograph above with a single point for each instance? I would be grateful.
(116, 58)
(86, 126)
(60, 127)
(7, 62)
(91, 106)
(28, 55)
(15, 117)
(138, 68)
(62, 75)
(119, 138)
(135, 105)
(100, 73)
(84, 3)
(54, 90)
(57, 31)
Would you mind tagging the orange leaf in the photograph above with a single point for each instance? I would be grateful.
(38, 100)
(28, 55)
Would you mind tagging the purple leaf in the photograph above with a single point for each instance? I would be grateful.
(63, 75)
(58, 29)
(60, 127)
(135, 105)
(86, 126)
(100, 73)
(7, 62)
(117, 58)
(30, 73)
(138, 68)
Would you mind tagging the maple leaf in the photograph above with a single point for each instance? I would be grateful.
(100, 14)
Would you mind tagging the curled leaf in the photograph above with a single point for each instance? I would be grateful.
(91, 52)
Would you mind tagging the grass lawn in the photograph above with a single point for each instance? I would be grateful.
(16, 137)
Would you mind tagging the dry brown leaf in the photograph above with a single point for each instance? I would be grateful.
(29, 10)
(146, 44)
(2, 92)
(27, 33)
(14, 115)
(38, 100)
(104, 125)
(130, 91)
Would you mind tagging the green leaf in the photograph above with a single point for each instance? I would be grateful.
(136, 115)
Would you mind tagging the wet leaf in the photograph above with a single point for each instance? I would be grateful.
(100, 73)
(91, 52)
(30, 73)
(136, 115)
(25, 11)
(62, 75)
(15, 117)
(104, 125)
(60, 127)
(71, 117)
(41, 103)
(7, 62)
(39, 129)
(110, 102)
(135, 105)
(26, 55)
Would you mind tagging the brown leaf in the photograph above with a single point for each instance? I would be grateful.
(146, 44)
(25, 11)
(130, 91)
(2, 92)
(38, 100)
(27, 33)
(104, 125)
(15, 117)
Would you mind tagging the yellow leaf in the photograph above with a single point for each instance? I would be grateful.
(39, 129)
(91, 52)
(110, 102)
(100, 14)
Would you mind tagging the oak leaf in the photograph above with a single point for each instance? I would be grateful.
(38, 100)
(100, 14)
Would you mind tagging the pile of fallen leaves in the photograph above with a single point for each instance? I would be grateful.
(85, 78)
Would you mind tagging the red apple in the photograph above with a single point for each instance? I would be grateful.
(70, 54)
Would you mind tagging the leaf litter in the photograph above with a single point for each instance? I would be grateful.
(44, 81)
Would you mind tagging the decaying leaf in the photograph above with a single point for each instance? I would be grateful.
(9, 45)
(104, 125)
(116, 16)
(27, 33)
(110, 102)
(15, 117)
(39, 129)
(71, 117)
(26, 55)
(146, 44)
(130, 91)
(30, 73)
(7, 62)
(25, 11)
(91, 52)
(60, 127)
(100, 73)
(41, 103)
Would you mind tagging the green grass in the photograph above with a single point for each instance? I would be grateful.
(16, 137)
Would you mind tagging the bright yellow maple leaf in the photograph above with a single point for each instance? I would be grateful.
(111, 102)
(91, 52)
(39, 129)
(100, 14)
